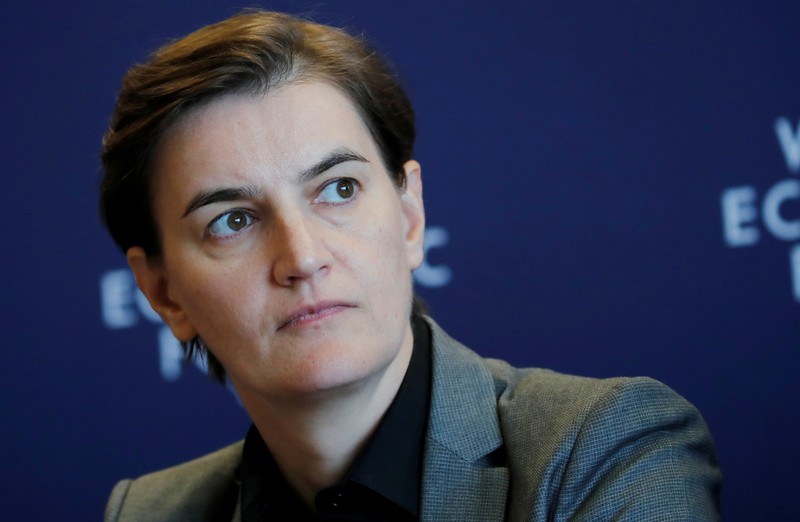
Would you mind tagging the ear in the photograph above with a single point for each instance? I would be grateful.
(414, 211)
(152, 280)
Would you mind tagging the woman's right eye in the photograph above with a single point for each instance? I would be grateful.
(230, 223)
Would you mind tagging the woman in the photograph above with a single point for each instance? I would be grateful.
(260, 179)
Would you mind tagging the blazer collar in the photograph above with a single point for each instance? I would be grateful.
(465, 477)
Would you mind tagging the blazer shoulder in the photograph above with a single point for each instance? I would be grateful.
(542, 388)
(569, 401)
(579, 446)
(205, 488)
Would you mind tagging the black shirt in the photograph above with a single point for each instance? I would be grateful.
(385, 480)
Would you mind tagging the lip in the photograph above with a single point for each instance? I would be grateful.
(309, 314)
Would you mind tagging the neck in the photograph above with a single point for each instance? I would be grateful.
(315, 439)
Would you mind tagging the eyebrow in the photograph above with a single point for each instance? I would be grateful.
(337, 156)
(340, 155)
(215, 196)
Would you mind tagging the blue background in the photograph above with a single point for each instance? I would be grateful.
(575, 153)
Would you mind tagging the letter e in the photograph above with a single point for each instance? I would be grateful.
(738, 210)
(116, 293)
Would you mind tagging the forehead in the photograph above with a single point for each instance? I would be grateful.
(277, 133)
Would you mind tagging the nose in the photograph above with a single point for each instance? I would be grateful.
(299, 253)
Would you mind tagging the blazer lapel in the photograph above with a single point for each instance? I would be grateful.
(464, 477)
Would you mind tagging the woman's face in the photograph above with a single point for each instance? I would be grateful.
(286, 246)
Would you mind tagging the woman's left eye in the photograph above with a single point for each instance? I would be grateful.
(338, 191)
(230, 223)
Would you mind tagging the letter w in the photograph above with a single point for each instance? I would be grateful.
(790, 143)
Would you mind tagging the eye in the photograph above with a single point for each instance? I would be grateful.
(230, 223)
(338, 191)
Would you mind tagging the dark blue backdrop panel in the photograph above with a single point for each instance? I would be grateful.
(612, 189)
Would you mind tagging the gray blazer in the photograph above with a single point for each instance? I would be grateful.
(506, 444)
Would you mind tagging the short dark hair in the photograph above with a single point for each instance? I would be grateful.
(250, 53)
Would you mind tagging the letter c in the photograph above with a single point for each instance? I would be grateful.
(433, 276)
(773, 200)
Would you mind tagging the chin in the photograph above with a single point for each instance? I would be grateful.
(331, 375)
(317, 374)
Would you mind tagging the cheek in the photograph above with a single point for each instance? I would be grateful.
(387, 266)
(215, 299)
